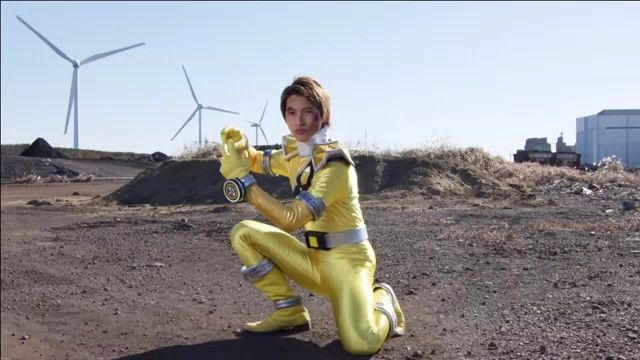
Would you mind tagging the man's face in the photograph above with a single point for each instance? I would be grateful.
(303, 119)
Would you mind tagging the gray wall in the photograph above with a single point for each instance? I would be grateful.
(599, 136)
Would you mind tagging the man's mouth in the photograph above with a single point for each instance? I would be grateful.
(300, 131)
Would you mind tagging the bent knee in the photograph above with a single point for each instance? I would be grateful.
(360, 346)
(241, 232)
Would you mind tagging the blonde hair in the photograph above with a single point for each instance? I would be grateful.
(310, 89)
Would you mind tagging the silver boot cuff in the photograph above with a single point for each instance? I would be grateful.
(391, 315)
(287, 303)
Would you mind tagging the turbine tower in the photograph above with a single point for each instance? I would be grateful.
(73, 96)
(198, 109)
(258, 125)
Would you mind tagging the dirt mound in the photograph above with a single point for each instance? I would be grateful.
(41, 148)
(187, 182)
(427, 177)
(200, 181)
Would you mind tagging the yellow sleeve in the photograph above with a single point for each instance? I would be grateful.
(329, 185)
(288, 217)
(275, 163)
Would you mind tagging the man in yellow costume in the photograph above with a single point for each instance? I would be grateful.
(336, 260)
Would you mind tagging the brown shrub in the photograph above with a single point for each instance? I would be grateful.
(193, 151)
(522, 174)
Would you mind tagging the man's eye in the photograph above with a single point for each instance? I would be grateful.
(309, 112)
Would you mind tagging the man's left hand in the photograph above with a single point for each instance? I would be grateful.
(234, 164)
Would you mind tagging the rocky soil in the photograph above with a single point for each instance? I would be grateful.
(16, 167)
(546, 275)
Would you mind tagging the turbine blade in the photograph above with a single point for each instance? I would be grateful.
(265, 136)
(185, 123)
(55, 48)
(105, 54)
(193, 93)
(74, 81)
(263, 110)
(227, 111)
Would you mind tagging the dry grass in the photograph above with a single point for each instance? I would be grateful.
(530, 175)
(471, 155)
(610, 171)
(82, 178)
(193, 151)
(28, 179)
(535, 175)
(33, 179)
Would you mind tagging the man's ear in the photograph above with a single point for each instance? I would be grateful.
(324, 120)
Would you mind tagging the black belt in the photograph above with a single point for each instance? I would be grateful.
(316, 240)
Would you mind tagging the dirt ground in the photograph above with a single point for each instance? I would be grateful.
(554, 277)
(16, 166)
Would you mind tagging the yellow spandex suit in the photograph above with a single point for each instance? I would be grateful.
(337, 260)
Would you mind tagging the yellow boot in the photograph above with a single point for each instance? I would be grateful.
(292, 317)
(387, 303)
(289, 313)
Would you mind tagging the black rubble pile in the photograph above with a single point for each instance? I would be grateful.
(41, 148)
(159, 157)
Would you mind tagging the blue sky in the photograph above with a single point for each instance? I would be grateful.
(401, 75)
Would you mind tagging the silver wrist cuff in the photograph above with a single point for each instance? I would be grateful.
(235, 189)
(316, 205)
(287, 303)
(266, 163)
(247, 181)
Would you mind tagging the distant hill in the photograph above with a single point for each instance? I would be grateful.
(13, 149)
(17, 149)
(440, 172)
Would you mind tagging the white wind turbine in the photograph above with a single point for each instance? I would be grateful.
(258, 125)
(199, 108)
(73, 96)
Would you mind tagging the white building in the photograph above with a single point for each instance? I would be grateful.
(609, 132)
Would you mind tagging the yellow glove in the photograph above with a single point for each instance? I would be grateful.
(241, 142)
(230, 132)
(234, 164)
